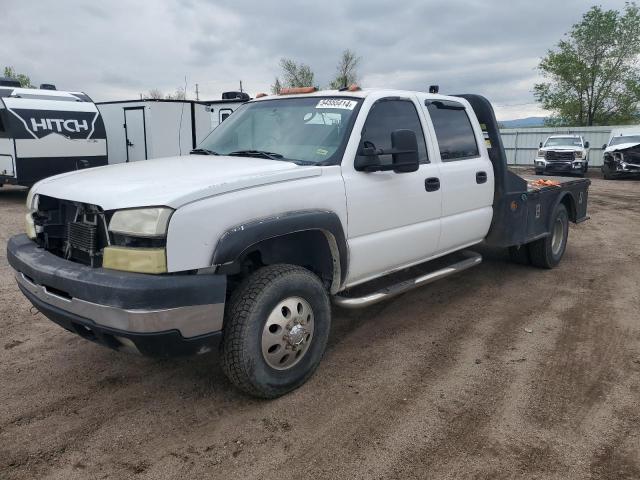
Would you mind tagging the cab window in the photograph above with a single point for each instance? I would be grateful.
(386, 116)
(456, 138)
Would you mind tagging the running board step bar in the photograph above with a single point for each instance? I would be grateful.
(472, 259)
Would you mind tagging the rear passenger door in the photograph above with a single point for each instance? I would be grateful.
(466, 174)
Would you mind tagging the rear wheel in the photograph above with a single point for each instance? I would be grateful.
(547, 252)
(276, 330)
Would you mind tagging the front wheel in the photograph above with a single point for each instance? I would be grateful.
(276, 330)
(548, 251)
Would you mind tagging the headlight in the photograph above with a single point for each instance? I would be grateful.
(32, 201)
(541, 153)
(32, 206)
(141, 222)
(578, 154)
(29, 226)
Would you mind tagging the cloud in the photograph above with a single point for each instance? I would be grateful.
(118, 49)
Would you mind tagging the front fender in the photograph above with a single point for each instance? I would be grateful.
(240, 238)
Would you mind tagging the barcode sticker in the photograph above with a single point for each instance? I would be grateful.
(337, 103)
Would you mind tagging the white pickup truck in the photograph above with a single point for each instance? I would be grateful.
(295, 201)
(563, 154)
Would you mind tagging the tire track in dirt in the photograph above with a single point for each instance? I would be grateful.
(463, 412)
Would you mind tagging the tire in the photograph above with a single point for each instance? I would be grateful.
(259, 306)
(539, 172)
(548, 251)
(520, 255)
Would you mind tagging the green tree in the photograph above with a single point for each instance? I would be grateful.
(24, 80)
(294, 74)
(276, 87)
(592, 77)
(346, 71)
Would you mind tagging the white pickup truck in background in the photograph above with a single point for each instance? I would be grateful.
(296, 200)
(562, 154)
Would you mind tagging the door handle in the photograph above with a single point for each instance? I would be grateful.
(129, 144)
(481, 177)
(432, 184)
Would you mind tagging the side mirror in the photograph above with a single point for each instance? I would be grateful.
(405, 157)
(586, 144)
(604, 146)
(540, 145)
(403, 151)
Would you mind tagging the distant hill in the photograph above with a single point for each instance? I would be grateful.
(523, 122)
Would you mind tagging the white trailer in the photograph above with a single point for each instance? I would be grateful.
(145, 129)
(44, 132)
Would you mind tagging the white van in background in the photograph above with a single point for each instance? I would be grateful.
(145, 129)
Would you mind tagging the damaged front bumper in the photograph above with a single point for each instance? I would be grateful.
(622, 162)
(156, 315)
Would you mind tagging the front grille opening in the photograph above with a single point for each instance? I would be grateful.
(71, 230)
(57, 292)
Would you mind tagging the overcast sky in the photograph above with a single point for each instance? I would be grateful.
(115, 49)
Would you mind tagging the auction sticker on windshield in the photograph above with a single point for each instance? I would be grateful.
(337, 103)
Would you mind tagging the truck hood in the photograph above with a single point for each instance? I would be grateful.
(171, 182)
(620, 147)
(562, 148)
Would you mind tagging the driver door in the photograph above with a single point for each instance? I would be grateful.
(393, 218)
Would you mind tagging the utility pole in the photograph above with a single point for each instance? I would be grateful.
(197, 93)
(240, 86)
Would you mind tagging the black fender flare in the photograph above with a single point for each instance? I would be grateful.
(235, 241)
(571, 210)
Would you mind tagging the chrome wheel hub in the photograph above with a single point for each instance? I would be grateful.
(557, 236)
(287, 333)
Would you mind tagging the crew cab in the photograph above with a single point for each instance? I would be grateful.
(295, 201)
(621, 154)
(563, 154)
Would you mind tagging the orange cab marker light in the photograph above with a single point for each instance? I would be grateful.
(260, 95)
(296, 90)
(354, 88)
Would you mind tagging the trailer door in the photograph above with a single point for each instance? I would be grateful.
(135, 134)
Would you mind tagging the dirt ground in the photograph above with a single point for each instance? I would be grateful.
(442, 382)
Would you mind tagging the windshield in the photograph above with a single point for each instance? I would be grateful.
(625, 139)
(307, 131)
(563, 142)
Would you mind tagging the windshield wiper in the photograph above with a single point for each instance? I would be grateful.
(256, 153)
(203, 151)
